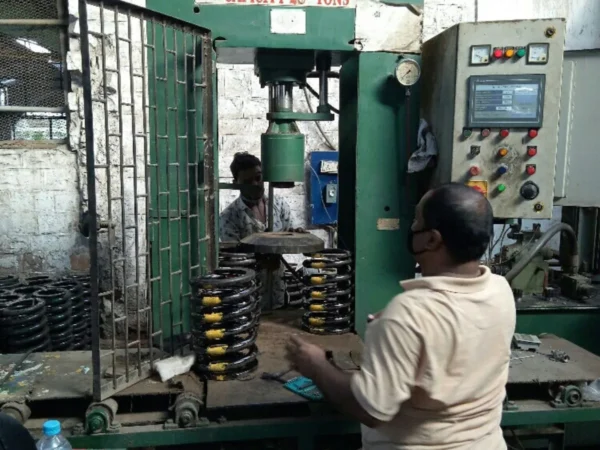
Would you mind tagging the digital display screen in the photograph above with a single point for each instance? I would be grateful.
(506, 101)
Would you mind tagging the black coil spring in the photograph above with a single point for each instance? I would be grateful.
(330, 293)
(225, 312)
(23, 324)
(60, 316)
(231, 258)
(295, 290)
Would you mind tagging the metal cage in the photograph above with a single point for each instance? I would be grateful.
(148, 117)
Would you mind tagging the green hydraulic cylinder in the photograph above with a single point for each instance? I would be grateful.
(282, 153)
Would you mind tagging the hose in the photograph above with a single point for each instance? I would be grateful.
(570, 265)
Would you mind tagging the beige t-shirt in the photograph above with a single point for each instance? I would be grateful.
(435, 365)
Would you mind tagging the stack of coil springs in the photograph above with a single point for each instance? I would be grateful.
(231, 258)
(330, 296)
(225, 312)
(295, 290)
(43, 314)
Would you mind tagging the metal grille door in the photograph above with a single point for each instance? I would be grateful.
(148, 119)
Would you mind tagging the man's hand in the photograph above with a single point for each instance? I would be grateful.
(303, 356)
(372, 317)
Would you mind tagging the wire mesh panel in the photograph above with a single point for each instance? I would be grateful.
(147, 82)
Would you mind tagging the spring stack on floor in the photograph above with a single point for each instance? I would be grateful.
(44, 314)
(295, 290)
(231, 258)
(330, 293)
(225, 312)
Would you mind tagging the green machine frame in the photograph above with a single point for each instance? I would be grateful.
(378, 125)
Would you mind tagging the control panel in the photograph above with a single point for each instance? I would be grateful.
(491, 93)
(324, 187)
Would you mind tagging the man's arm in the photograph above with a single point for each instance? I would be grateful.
(285, 215)
(229, 230)
(388, 371)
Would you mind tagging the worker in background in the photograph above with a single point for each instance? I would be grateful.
(249, 212)
(436, 359)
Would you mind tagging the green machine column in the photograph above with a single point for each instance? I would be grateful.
(377, 133)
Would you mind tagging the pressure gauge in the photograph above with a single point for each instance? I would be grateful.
(408, 72)
(537, 53)
(481, 55)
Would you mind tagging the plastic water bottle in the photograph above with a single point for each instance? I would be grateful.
(52, 439)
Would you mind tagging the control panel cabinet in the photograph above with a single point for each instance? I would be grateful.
(491, 93)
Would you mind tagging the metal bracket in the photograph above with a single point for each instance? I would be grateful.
(19, 411)
(187, 412)
(100, 417)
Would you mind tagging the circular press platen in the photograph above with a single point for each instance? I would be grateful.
(282, 242)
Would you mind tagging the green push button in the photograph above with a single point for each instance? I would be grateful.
(467, 132)
(520, 53)
(501, 187)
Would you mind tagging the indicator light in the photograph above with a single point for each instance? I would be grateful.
(502, 152)
(532, 133)
(467, 132)
(485, 132)
(498, 53)
(531, 151)
(509, 53)
(474, 171)
(501, 187)
(530, 169)
(504, 133)
(502, 170)
(520, 53)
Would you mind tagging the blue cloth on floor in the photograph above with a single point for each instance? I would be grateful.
(304, 387)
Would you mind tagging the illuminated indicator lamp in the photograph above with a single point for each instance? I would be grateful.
(502, 152)
(520, 53)
(504, 133)
(485, 132)
(467, 132)
(498, 53)
(501, 188)
(532, 133)
(509, 53)
(474, 171)
(502, 170)
(531, 151)
(530, 169)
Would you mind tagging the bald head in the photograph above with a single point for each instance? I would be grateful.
(462, 216)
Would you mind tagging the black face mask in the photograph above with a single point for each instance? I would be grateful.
(409, 242)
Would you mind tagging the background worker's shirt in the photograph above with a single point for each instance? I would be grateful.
(435, 365)
(237, 221)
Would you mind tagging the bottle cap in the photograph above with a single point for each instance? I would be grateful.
(51, 428)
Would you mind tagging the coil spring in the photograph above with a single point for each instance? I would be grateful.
(294, 288)
(23, 325)
(230, 258)
(81, 315)
(225, 312)
(60, 317)
(330, 296)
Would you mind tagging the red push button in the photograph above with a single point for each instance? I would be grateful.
(504, 133)
(498, 53)
(478, 189)
(530, 169)
(474, 171)
(485, 132)
(531, 151)
(532, 133)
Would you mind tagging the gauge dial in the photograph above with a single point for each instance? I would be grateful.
(537, 53)
(408, 72)
(480, 54)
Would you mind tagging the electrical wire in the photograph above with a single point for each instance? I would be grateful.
(316, 94)
(318, 125)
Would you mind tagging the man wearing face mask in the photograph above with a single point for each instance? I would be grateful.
(249, 212)
(436, 359)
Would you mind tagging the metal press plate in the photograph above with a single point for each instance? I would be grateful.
(282, 243)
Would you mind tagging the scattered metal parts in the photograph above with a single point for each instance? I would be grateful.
(100, 417)
(559, 356)
(20, 411)
(508, 405)
(569, 396)
(187, 409)
(527, 342)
